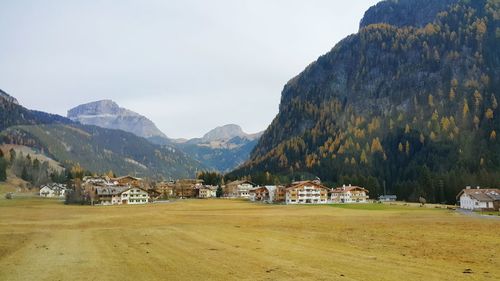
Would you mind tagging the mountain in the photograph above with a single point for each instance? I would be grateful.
(93, 148)
(7, 98)
(227, 132)
(107, 114)
(400, 13)
(222, 149)
(408, 105)
(11, 113)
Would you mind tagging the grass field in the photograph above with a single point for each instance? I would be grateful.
(237, 240)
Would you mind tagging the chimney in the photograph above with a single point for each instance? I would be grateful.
(349, 185)
(343, 185)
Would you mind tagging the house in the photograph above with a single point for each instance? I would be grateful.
(128, 181)
(131, 195)
(90, 184)
(280, 194)
(212, 190)
(479, 198)
(206, 191)
(166, 189)
(387, 198)
(268, 193)
(263, 193)
(349, 194)
(185, 188)
(306, 192)
(117, 195)
(107, 195)
(240, 189)
(53, 190)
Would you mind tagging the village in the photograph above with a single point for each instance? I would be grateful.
(103, 190)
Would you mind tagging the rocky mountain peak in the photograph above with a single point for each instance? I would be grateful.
(108, 114)
(8, 97)
(224, 133)
(102, 107)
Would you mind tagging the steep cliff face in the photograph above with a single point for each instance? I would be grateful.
(410, 95)
(108, 114)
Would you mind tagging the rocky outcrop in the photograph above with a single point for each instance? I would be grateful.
(108, 114)
(8, 98)
(227, 132)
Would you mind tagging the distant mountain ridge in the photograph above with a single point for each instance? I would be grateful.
(228, 132)
(94, 148)
(223, 148)
(108, 114)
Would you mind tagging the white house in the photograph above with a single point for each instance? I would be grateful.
(239, 189)
(118, 195)
(131, 195)
(479, 198)
(306, 192)
(349, 194)
(53, 190)
(206, 191)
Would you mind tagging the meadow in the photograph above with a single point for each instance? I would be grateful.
(44, 239)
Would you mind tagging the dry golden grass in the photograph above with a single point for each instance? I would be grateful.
(237, 240)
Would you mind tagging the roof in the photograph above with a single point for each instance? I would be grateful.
(111, 190)
(54, 186)
(114, 190)
(125, 177)
(349, 188)
(96, 179)
(239, 182)
(388, 196)
(482, 197)
(490, 194)
(210, 187)
(303, 183)
(269, 188)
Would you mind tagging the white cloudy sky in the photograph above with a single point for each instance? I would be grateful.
(189, 65)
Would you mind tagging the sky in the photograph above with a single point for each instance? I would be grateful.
(188, 65)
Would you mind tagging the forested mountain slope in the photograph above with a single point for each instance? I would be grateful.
(410, 105)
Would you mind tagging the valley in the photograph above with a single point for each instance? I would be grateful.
(233, 239)
(328, 140)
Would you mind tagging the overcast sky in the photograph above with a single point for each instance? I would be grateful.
(188, 65)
